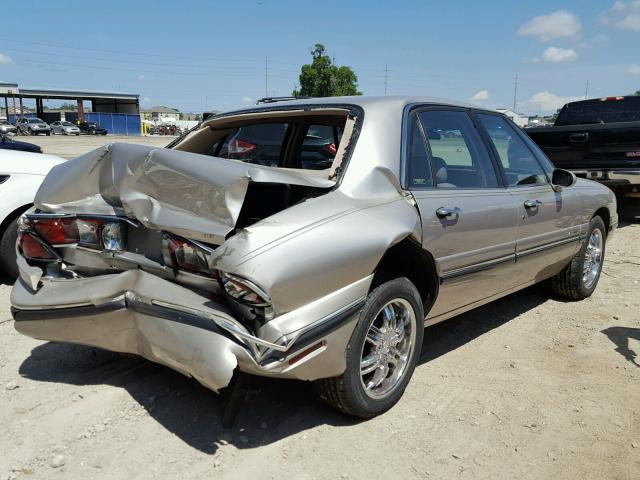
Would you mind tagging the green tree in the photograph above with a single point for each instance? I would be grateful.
(321, 78)
(637, 92)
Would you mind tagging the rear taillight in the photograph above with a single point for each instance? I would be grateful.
(40, 233)
(57, 231)
(183, 254)
(239, 148)
(34, 248)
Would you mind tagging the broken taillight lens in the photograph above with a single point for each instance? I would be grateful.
(182, 254)
(33, 248)
(57, 231)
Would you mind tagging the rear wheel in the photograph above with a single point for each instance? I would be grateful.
(579, 279)
(8, 240)
(382, 353)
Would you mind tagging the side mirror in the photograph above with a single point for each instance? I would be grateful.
(562, 178)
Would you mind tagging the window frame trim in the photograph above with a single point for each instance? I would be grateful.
(414, 109)
(519, 133)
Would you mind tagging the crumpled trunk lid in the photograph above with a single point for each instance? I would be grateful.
(196, 196)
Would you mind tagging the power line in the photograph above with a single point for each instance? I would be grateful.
(586, 89)
(386, 76)
(515, 93)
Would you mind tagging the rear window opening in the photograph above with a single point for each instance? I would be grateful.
(313, 141)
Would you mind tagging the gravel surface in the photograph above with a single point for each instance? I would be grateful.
(72, 146)
(528, 387)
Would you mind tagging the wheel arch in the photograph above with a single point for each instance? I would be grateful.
(604, 214)
(12, 216)
(408, 259)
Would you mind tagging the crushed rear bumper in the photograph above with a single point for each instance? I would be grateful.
(139, 313)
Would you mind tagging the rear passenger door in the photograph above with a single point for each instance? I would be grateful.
(469, 220)
(548, 231)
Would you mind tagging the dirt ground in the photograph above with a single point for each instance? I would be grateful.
(72, 146)
(528, 387)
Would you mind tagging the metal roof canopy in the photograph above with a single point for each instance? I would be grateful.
(104, 102)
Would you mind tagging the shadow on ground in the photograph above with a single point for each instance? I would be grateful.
(273, 409)
(628, 211)
(620, 336)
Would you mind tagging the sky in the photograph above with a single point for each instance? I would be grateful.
(206, 55)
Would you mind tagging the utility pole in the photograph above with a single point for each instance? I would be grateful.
(266, 76)
(515, 93)
(386, 77)
(586, 90)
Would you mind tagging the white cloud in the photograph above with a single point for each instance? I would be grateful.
(630, 22)
(559, 55)
(141, 76)
(481, 96)
(247, 100)
(549, 27)
(624, 15)
(6, 59)
(547, 101)
(634, 69)
(600, 39)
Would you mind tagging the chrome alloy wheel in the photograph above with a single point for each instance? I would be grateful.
(592, 259)
(388, 348)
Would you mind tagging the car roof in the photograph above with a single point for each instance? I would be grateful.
(363, 101)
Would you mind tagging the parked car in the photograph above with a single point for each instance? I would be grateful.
(64, 128)
(7, 128)
(33, 126)
(92, 128)
(7, 143)
(21, 173)
(597, 139)
(211, 257)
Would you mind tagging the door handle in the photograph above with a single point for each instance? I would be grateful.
(443, 212)
(532, 203)
(579, 137)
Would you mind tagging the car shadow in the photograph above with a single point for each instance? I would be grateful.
(272, 409)
(628, 211)
(449, 335)
(620, 336)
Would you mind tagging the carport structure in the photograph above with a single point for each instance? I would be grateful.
(101, 102)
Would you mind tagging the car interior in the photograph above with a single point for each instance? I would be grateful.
(297, 139)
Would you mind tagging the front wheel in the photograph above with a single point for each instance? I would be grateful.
(382, 353)
(579, 279)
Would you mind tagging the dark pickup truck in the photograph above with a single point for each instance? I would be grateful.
(597, 139)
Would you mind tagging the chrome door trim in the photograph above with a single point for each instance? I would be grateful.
(548, 246)
(477, 267)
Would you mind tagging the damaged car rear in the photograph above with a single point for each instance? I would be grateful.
(285, 240)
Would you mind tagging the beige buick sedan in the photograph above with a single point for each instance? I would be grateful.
(311, 239)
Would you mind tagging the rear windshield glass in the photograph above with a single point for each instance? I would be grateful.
(609, 111)
(35, 120)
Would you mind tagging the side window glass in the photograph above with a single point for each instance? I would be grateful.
(458, 156)
(519, 163)
(319, 146)
(260, 144)
(419, 170)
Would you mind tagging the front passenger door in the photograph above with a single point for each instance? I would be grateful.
(469, 220)
(548, 233)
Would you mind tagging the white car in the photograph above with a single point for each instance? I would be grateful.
(21, 174)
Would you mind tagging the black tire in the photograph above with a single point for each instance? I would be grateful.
(8, 249)
(347, 392)
(570, 282)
